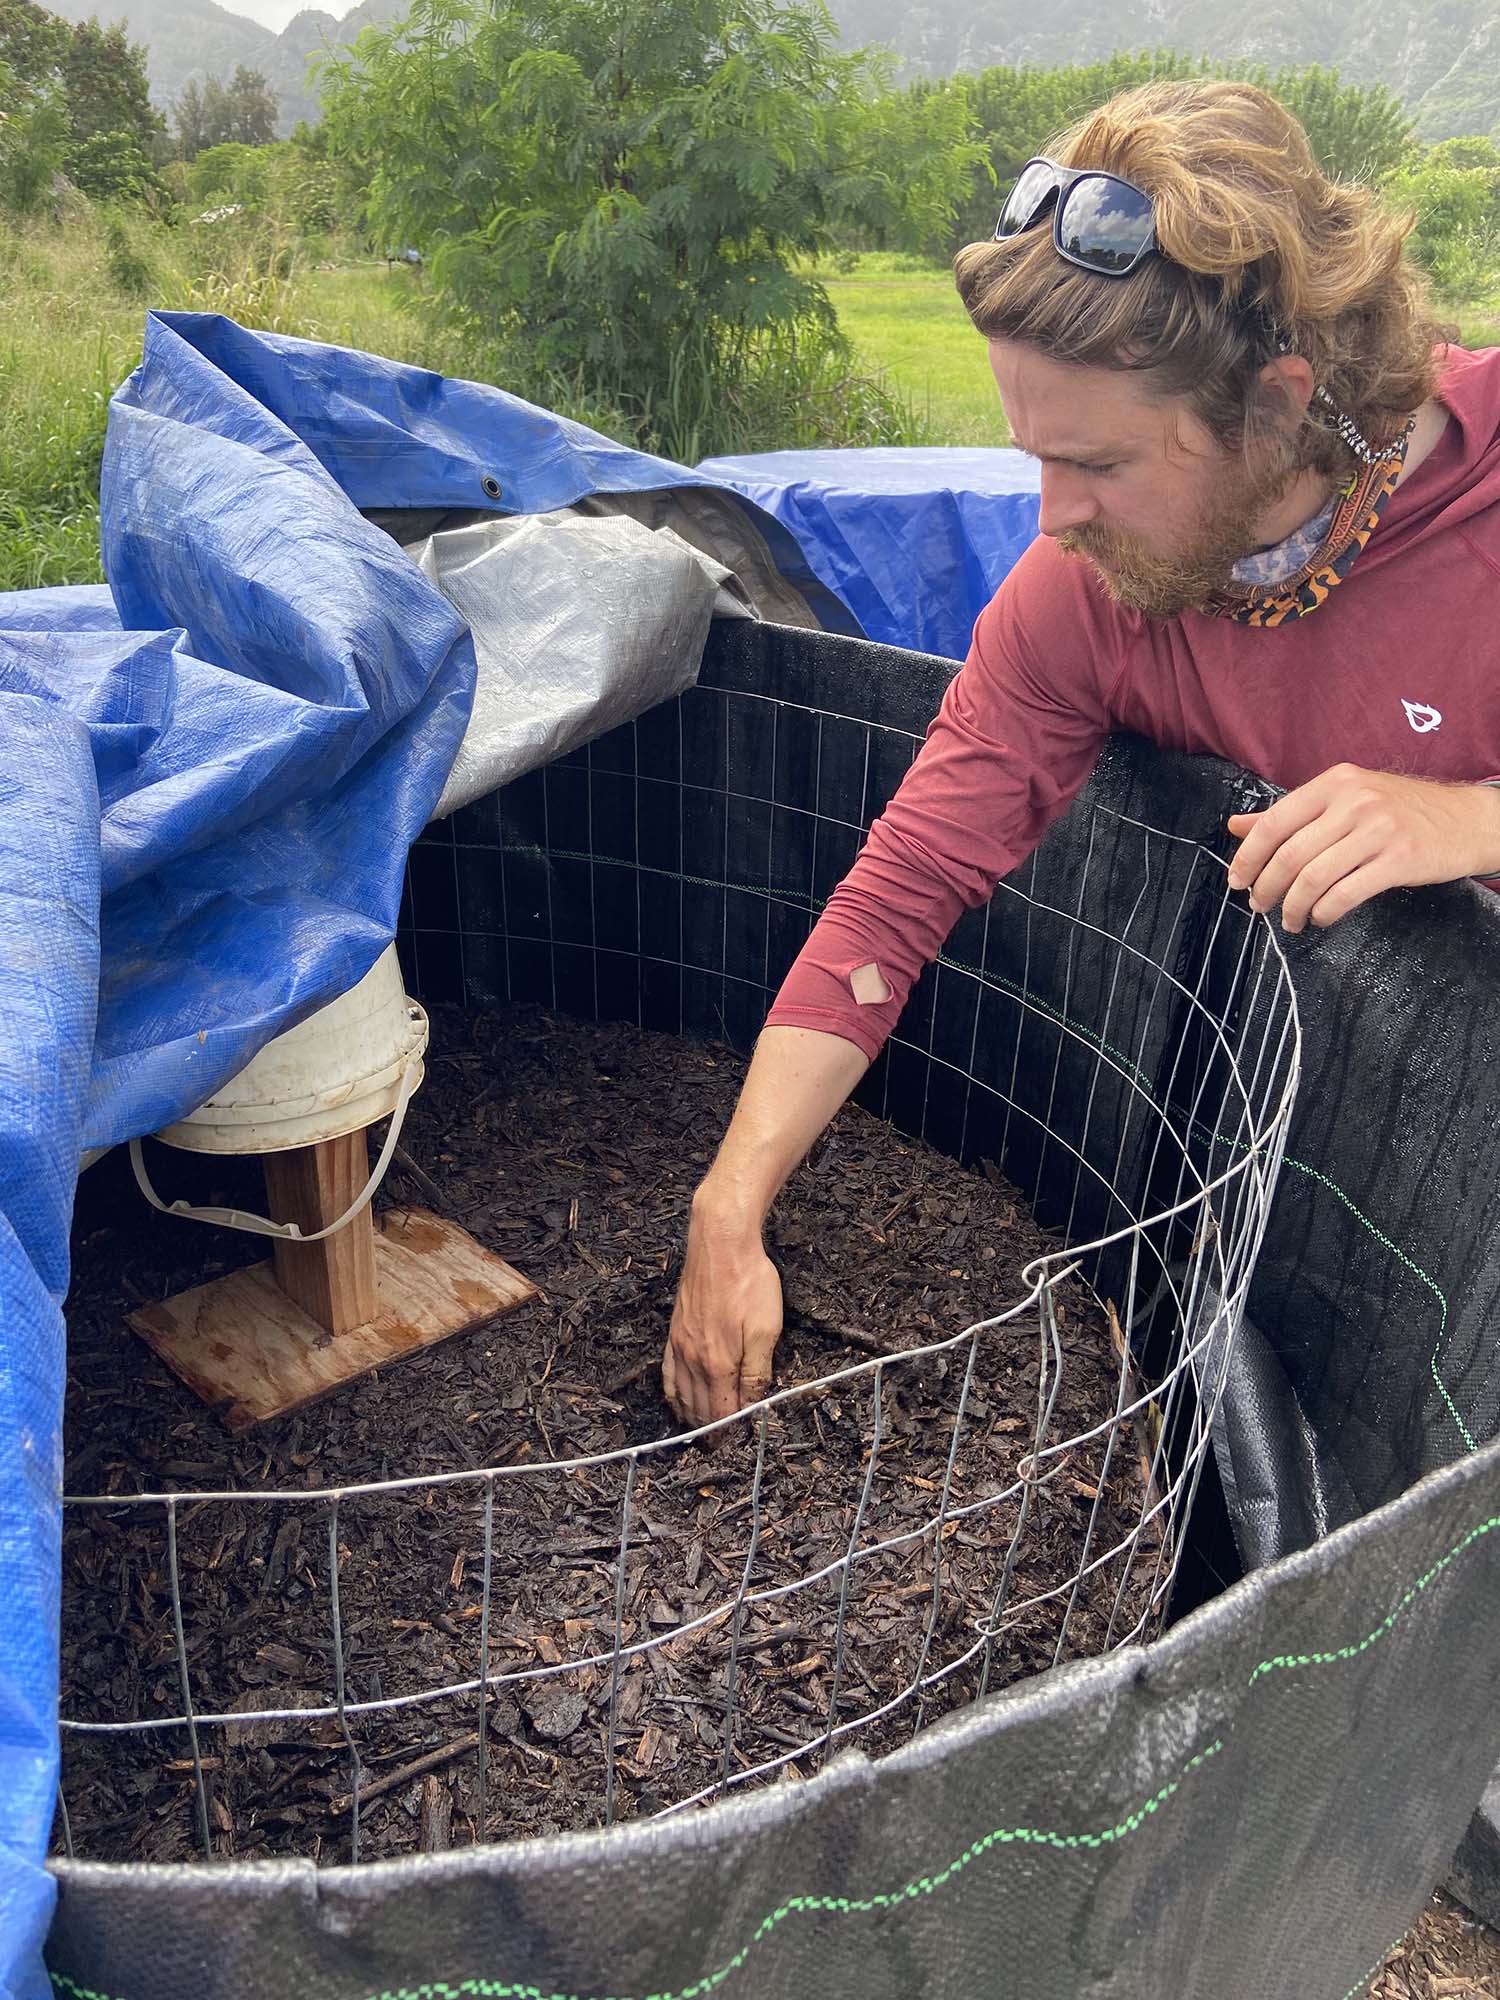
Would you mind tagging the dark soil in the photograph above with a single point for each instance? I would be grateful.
(573, 1151)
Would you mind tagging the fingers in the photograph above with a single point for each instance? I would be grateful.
(723, 1395)
(699, 1383)
(755, 1362)
(669, 1375)
(683, 1384)
(1262, 834)
(1318, 880)
(1357, 887)
(1306, 851)
(1305, 867)
(725, 1325)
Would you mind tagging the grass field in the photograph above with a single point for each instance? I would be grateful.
(906, 318)
(66, 339)
(72, 308)
(70, 332)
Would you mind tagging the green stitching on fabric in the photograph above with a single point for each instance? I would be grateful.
(1316, 1174)
(1291, 1661)
(1364, 1979)
(839, 1906)
(1417, 1272)
(928, 1885)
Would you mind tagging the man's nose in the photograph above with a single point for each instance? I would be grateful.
(1066, 500)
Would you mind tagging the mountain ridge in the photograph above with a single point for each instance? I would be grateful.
(189, 40)
(1440, 57)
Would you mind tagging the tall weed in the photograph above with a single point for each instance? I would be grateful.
(792, 389)
(132, 268)
(245, 268)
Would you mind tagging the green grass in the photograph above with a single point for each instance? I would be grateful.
(1479, 324)
(369, 306)
(66, 339)
(905, 317)
(70, 332)
(72, 308)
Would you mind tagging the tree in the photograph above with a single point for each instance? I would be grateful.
(240, 113)
(1356, 131)
(33, 44)
(187, 116)
(252, 108)
(79, 96)
(1472, 155)
(33, 140)
(110, 166)
(104, 82)
(622, 190)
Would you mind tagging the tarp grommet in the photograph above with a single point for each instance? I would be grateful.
(490, 486)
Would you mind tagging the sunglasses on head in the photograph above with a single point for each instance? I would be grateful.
(1099, 222)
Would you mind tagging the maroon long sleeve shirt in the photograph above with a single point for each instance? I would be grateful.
(1397, 671)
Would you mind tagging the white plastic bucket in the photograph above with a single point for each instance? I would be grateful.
(337, 1072)
(355, 1060)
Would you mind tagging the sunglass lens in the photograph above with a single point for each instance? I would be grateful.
(1105, 223)
(1026, 198)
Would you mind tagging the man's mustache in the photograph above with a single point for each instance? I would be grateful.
(1099, 547)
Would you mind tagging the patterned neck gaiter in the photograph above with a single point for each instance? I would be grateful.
(1358, 507)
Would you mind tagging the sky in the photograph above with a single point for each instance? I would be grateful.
(275, 14)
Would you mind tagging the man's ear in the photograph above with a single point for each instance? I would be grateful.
(1287, 387)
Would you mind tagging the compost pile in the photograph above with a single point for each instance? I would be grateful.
(736, 1639)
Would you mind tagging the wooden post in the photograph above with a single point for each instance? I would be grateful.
(333, 1281)
(275, 1336)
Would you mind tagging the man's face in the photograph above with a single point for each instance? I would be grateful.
(1133, 483)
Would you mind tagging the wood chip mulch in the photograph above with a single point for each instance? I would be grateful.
(1446, 1955)
(573, 1151)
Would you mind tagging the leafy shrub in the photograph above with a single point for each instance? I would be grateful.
(1457, 231)
(131, 266)
(111, 166)
(33, 145)
(633, 187)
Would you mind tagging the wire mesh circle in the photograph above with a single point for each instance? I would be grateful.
(1142, 1098)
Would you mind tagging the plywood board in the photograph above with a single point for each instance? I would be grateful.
(246, 1348)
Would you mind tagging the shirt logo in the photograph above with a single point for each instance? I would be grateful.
(1421, 717)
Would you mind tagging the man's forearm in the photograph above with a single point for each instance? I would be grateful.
(797, 1081)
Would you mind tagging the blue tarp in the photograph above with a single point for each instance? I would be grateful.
(915, 543)
(211, 769)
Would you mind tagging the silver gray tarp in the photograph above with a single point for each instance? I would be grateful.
(586, 617)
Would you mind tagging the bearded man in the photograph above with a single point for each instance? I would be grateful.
(1269, 530)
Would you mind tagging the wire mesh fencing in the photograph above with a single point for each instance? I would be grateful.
(650, 1628)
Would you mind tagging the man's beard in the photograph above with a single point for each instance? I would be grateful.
(1163, 584)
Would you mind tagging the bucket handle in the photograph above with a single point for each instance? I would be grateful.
(262, 1225)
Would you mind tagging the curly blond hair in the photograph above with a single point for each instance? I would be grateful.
(1255, 241)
